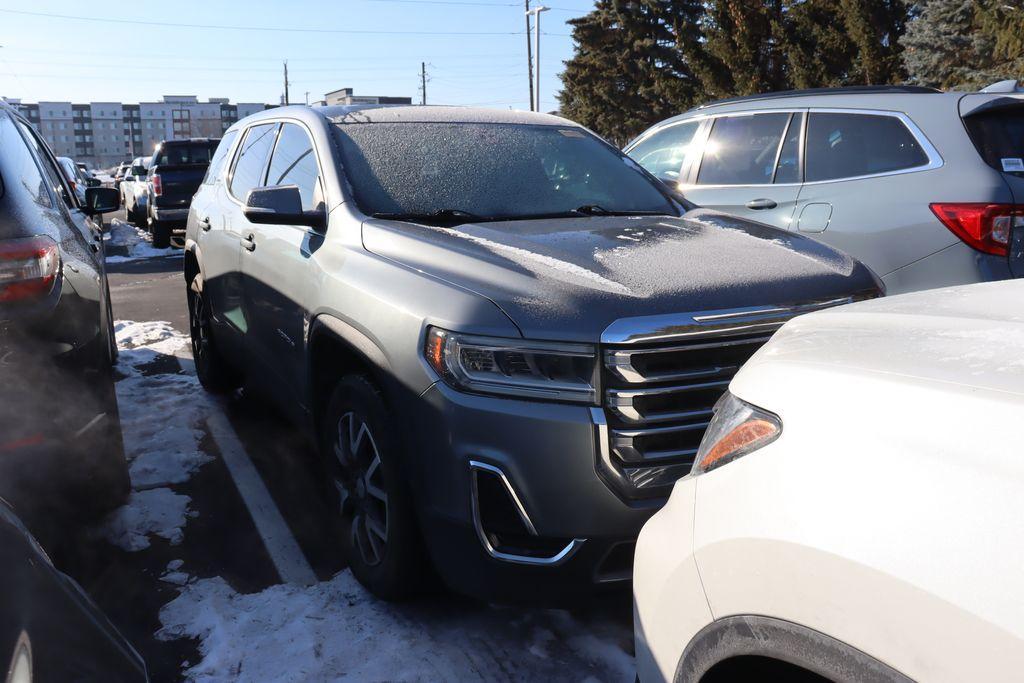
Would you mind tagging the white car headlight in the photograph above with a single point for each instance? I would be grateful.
(514, 367)
(737, 429)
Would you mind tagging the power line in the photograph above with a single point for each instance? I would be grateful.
(273, 29)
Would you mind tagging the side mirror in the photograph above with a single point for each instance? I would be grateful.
(100, 200)
(93, 182)
(281, 205)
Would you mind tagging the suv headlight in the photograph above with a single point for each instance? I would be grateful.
(737, 429)
(514, 367)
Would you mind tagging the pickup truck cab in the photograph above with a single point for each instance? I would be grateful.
(504, 334)
(175, 174)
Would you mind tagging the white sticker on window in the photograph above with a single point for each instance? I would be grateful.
(1013, 164)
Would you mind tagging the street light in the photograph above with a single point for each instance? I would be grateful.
(535, 105)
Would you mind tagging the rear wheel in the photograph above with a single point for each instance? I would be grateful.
(380, 535)
(213, 371)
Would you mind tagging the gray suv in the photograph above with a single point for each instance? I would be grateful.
(925, 187)
(503, 333)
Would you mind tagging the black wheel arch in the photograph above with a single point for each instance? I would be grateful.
(785, 641)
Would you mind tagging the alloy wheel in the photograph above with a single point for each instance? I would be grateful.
(361, 487)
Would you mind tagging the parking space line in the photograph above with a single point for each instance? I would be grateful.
(281, 545)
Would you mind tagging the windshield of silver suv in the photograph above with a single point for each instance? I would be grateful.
(486, 172)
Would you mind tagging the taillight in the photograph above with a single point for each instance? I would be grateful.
(986, 227)
(158, 184)
(28, 267)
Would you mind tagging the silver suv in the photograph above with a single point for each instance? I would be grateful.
(925, 187)
(504, 334)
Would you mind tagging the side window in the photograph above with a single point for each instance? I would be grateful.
(54, 176)
(851, 145)
(294, 163)
(252, 158)
(741, 150)
(664, 152)
(788, 169)
(220, 157)
(18, 166)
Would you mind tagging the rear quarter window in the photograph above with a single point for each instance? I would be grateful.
(843, 145)
(185, 155)
(998, 136)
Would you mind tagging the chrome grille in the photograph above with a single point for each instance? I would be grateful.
(659, 389)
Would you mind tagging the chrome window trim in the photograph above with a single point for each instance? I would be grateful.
(553, 561)
(703, 323)
(935, 159)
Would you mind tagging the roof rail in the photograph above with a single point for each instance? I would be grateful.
(844, 90)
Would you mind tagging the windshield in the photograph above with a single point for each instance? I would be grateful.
(183, 155)
(490, 171)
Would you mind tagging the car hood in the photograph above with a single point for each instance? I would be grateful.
(570, 278)
(971, 336)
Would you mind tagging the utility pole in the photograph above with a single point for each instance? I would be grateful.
(423, 83)
(286, 101)
(529, 53)
(536, 53)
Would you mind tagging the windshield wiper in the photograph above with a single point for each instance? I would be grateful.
(598, 210)
(440, 216)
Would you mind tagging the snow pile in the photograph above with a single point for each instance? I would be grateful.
(161, 413)
(336, 629)
(135, 241)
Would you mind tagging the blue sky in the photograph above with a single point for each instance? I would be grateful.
(51, 58)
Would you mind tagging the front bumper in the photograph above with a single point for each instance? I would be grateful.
(538, 462)
(669, 603)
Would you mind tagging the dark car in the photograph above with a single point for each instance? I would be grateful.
(50, 631)
(175, 174)
(506, 335)
(60, 437)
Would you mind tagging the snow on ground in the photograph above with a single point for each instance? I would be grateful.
(136, 240)
(335, 630)
(161, 414)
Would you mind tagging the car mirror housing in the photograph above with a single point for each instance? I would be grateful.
(100, 200)
(281, 205)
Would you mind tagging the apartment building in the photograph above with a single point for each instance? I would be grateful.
(104, 134)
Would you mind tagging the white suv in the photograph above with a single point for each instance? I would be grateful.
(855, 507)
(925, 187)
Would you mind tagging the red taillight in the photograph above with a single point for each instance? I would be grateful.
(28, 267)
(158, 184)
(986, 227)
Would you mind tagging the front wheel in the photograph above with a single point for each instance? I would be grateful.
(212, 369)
(380, 535)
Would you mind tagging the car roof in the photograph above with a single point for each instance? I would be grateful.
(356, 114)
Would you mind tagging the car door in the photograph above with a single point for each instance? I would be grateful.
(748, 166)
(276, 265)
(219, 250)
(861, 170)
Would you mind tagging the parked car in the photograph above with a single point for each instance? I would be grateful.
(50, 630)
(924, 187)
(177, 171)
(134, 194)
(502, 332)
(119, 174)
(60, 438)
(853, 510)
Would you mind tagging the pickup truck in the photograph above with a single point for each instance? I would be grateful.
(135, 190)
(178, 169)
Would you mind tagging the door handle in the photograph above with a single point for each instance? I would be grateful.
(205, 224)
(761, 204)
(249, 242)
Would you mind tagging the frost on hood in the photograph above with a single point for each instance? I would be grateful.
(336, 630)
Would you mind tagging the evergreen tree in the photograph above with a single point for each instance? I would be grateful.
(743, 47)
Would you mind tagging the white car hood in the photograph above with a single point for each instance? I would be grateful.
(971, 335)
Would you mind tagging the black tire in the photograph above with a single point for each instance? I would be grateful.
(380, 535)
(212, 369)
(161, 234)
